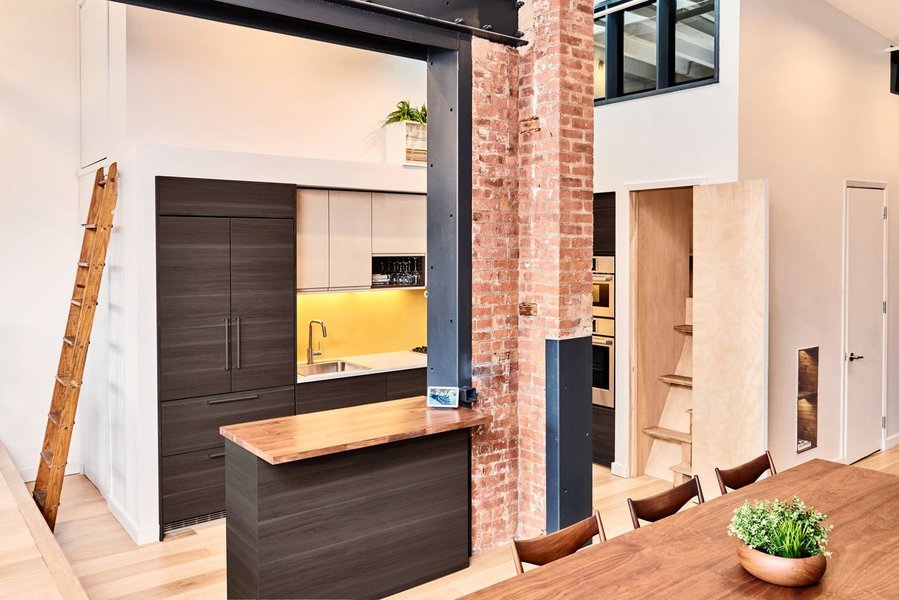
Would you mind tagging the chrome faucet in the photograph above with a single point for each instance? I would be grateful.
(311, 353)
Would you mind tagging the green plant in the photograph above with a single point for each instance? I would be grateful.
(406, 112)
(788, 529)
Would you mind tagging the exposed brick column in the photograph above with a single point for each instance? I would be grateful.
(495, 289)
(532, 168)
(555, 216)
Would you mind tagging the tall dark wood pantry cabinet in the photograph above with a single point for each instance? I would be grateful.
(226, 326)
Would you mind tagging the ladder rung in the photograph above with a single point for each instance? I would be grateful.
(65, 381)
(76, 302)
(55, 417)
(102, 182)
(90, 226)
(70, 341)
(80, 285)
(40, 496)
(47, 457)
(84, 265)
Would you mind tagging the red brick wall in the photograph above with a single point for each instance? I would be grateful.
(494, 289)
(532, 243)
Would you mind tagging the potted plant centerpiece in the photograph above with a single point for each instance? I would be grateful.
(407, 134)
(782, 542)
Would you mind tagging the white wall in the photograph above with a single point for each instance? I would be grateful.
(679, 138)
(39, 210)
(199, 99)
(815, 109)
(200, 84)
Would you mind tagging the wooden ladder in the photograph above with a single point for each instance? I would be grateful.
(88, 275)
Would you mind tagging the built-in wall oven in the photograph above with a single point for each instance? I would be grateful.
(604, 287)
(604, 362)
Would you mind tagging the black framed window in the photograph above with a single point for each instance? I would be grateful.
(653, 47)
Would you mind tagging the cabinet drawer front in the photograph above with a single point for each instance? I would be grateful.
(217, 198)
(193, 484)
(405, 384)
(193, 423)
(340, 393)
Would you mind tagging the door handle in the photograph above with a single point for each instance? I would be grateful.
(238, 342)
(853, 356)
(227, 344)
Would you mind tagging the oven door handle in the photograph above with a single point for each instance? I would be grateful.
(602, 278)
(601, 341)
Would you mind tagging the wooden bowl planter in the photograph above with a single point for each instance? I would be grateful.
(789, 572)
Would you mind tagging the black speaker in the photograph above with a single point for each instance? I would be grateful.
(894, 71)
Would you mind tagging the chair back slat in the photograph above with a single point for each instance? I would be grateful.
(547, 548)
(742, 475)
(665, 503)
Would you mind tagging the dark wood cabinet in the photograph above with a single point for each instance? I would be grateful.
(226, 323)
(193, 423)
(263, 303)
(193, 306)
(604, 224)
(357, 390)
(405, 384)
(603, 435)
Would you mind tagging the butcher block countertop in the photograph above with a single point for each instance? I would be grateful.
(287, 439)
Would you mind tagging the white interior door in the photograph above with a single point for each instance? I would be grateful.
(864, 321)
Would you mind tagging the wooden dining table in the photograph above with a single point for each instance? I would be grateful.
(690, 555)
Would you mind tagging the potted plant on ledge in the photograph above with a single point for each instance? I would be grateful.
(782, 542)
(407, 134)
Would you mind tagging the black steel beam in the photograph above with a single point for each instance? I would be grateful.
(449, 217)
(496, 16)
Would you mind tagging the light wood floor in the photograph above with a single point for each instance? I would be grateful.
(191, 563)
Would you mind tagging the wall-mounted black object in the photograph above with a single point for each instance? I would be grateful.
(569, 468)
(604, 224)
(894, 71)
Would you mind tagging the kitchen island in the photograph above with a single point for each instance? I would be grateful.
(357, 502)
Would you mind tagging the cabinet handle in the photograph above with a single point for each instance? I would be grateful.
(217, 455)
(238, 342)
(227, 344)
(226, 400)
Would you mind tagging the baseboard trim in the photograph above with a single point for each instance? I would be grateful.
(29, 475)
(140, 535)
(892, 442)
(619, 470)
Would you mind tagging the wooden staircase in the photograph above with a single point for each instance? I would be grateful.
(75, 341)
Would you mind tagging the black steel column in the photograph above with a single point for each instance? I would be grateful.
(449, 216)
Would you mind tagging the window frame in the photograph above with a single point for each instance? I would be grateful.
(665, 50)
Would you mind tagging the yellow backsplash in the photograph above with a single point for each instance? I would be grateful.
(363, 322)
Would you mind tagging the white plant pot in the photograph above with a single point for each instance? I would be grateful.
(406, 143)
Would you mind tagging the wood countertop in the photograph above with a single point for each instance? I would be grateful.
(299, 437)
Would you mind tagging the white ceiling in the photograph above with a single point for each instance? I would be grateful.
(880, 15)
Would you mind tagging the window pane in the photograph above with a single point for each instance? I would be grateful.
(640, 40)
(599, 58)
(694, 40)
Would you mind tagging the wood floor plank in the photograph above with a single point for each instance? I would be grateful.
(98, 547)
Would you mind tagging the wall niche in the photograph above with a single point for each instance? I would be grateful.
(807, 400)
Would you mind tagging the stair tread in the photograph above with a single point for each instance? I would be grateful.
(663, 433)
(47, 457)
(69, 340)
(685, 329)
(683, 469)
(54, 417)
(675, 379)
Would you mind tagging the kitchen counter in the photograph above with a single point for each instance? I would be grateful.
(358, 502)
(375, 363)
(287, 439)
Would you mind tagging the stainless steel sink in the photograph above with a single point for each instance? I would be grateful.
(324, 368)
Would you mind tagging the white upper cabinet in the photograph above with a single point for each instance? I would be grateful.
(93, 60)
(399, 224)
(350, 240)
(312, 240)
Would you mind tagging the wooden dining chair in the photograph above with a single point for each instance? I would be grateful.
(545, 549)
(746, 473)
(666, 503)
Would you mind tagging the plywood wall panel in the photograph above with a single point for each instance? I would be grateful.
(730, 326)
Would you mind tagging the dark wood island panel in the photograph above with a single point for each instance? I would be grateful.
(358, 502)
(361, 524)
